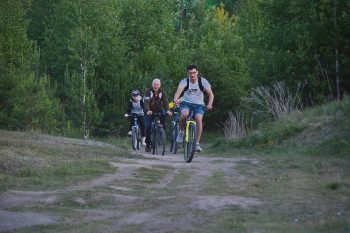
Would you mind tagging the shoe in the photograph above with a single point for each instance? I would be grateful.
(180, 137)
(129, 133)
(144, 141)
(198, 148)
(148, 148)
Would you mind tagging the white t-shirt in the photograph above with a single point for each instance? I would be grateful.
(194, 94)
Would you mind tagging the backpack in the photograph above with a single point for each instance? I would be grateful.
(199, 84)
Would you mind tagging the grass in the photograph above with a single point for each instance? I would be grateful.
(28, 164)
(152, 175)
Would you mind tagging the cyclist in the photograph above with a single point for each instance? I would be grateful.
(193, 88)
(156, 101)
(136, 107)
(174, 107)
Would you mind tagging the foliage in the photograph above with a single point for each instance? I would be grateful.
(26, 100)
(296, 41)
(79, 60)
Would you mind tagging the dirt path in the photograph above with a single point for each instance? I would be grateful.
(176, 198)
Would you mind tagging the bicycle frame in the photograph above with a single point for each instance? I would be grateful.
(174, 132)
(135, 128)
(136, 123)
(190, 138)
(156, 127)
(190, 119)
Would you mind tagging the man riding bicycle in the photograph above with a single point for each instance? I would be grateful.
(193, 88)
(155, 101)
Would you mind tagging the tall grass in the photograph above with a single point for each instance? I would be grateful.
(277, 100)
(321, 130)
(235, 127)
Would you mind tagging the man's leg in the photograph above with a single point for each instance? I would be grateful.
(182, 123)
(162, 118)
(199, 127)
(148, 126)
(183, 117)
(199, 112)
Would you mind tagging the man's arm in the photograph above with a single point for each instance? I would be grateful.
(147, 100)
(210, 98)
(178, 94)
(165, 101)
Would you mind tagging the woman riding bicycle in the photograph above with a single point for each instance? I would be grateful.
(156, 101)
(193, 88)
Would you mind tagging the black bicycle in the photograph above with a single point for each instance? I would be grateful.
(174, 131)
(136, 136)
(158, 137)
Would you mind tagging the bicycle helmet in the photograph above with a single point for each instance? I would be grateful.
(135, 92)
(171, 105)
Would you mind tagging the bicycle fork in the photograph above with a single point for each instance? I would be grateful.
(187, 129)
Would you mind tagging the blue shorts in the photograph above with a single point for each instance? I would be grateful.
(196, 108)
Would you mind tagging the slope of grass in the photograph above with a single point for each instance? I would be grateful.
(323, 130)
(42, 162)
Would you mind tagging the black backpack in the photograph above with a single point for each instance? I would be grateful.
(199, 84)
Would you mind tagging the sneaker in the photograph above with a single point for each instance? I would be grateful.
(129, 133)
(144, 141)
(148, 148)
(180, 137)
(198, 148)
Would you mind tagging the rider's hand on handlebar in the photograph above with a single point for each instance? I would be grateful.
(177, 102)
(126, 115)
(169, 113)
(149, 113)
(209, 107)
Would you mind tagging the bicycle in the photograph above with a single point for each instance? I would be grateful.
(136, 136)
(189, 142)
(174, 131)
(175, 128)
(158, 137)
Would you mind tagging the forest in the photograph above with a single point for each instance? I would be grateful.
(68, 67)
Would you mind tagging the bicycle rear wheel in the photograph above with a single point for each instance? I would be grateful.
(160, 141)
(190, 141)
(134, 139)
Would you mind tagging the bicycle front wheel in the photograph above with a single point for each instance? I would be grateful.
(189, 141)
(134, 139)
(160, 141)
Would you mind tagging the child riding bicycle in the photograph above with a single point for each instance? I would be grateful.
(136, 108)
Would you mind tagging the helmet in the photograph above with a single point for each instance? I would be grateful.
(135, 92)
(171, 105)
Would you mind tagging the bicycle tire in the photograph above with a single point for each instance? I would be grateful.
(160, 141)
(173, 136)
(134, 139)
(175, 146)
(189, 143)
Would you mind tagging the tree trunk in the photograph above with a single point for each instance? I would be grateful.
(337, 81)
(84, 113)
